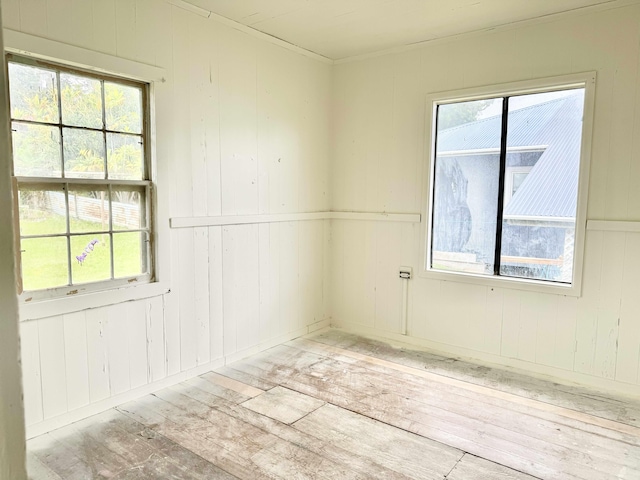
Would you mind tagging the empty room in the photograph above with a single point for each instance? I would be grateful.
(332, 239)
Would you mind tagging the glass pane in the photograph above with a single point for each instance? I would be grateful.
(518, 178)
(44, 263)
(81, 101)
(83, 153)
(123, 107)
(90, 258)
(88, 209)
(36, 150)
(129, 210)
(539, 221)
(129, 254)
(466, 186)
(34, 93)
(42, 212)
(125, 157)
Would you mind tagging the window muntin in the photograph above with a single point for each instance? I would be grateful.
(81, 165)
(504, 191)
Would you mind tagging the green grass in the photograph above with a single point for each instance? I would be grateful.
(44, 260)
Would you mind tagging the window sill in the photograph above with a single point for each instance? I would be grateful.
(35, 309)
(504, 282)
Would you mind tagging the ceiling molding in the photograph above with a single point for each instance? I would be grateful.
(249, 30)
(190, 8)
(609, 5)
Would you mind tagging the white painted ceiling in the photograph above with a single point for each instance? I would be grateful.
(343, 28)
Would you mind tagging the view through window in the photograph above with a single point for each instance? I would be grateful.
(506, 185)
(79, 158)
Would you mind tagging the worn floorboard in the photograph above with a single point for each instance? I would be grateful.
(334, 405)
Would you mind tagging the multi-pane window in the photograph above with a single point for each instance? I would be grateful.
(505, 185)
(82, 176)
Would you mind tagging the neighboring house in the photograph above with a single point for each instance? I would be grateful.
(541, 184)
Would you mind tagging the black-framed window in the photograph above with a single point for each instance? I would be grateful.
(504, 196)
(82, 176)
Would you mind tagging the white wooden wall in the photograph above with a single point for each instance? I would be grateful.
(378, 165)
(247, 127)
(242, 128)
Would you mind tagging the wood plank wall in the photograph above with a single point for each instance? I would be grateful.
(242, 128)
(379, 165)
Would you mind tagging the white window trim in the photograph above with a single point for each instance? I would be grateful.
(113, 292)
(586, 80)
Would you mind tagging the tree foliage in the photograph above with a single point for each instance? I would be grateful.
(37, 152)
(455, 114)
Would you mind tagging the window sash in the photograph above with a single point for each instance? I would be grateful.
(110, 184)
(503, 196)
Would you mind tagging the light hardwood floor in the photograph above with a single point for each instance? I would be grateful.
(334, 405)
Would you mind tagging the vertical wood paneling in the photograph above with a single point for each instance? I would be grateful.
(76, 360)
(171, 308)
(52, 366)
(31, 376)
(240, 287)
(387, 285)
(156, 350)
(33, 17)
(628, 358)
(272, 295)
(289, 277)
(238, 139)
(327, 270)
(125, 25)
(11, 14)
(609, 304)
(359, 270)
(99, 386)
(70, 21)
(216, 305)
(185, 287)
(103, 26)
(493, 321)
(117, 333)
(587, 322)
(310, 257)
(181, 163)
(137, 335)
(200, 90)
(201, 295)
(268, 303)
(565, 333)
(510, 323)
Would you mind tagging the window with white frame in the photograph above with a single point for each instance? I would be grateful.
(81, 168)
(506, 171)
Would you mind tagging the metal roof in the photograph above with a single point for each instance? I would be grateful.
(556, 123)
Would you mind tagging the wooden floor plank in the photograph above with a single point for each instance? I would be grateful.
(546, 430)
(334, 406)
(471, 467)
(369, 468)
(39, 470)
(374, 397)
(401, 451)
(233, 385)
(283, 404)
(351, 400)
(624, 410)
